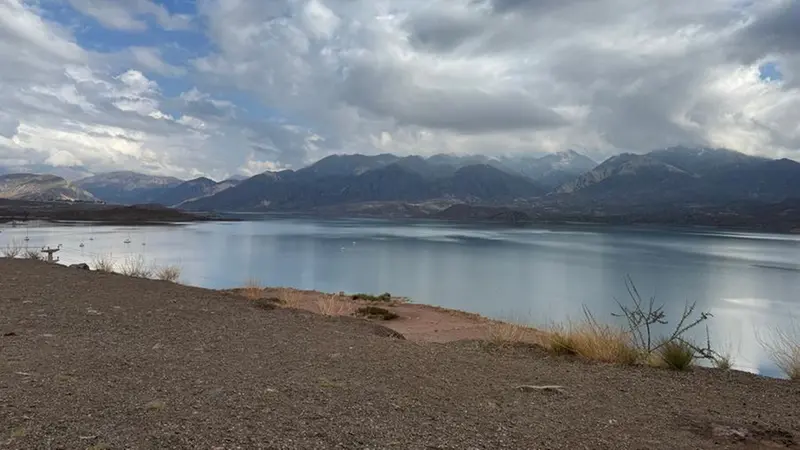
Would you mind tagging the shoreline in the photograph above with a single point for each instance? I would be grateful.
(416, 321)
(60, 213)
(424, 323)
(545, 223)
(17, 211)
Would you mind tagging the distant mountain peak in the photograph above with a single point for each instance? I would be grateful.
(569, 153)
(569, 160)
(349, 164)
(201, 180)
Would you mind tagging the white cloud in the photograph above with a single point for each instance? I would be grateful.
(63, 159)
(64, 106)
(150, 58)
(319, 20)
(255, 166)
(492, 76)
(283, 82)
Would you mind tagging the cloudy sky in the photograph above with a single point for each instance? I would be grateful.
(223, 87)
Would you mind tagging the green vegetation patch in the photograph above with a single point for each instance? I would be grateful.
(374, 312)
(385, 297)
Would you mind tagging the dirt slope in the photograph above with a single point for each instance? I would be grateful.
(95, 361)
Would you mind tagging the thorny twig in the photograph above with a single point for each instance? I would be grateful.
(643, 316)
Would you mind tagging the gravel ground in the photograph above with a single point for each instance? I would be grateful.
(91, 360)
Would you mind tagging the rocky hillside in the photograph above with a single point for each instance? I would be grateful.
(689, 176)
(41, 188)
(127, 187)
(192, 190)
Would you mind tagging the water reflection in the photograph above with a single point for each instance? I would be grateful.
(539, 274)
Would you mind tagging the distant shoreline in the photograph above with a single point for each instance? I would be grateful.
(104, 214)
(672, 226)
(144, 215)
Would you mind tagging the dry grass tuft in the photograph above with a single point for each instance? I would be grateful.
(103, 263)
(32, 254)
(291, 298)
(253, 290)
(677, 355)
(12, 249)
(595, 341)
(168, 273)
(134, 266)
(334, 305)
(502, 334)
(723, 362)
(783, 347)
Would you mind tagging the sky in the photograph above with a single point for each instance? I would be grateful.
(224, 87)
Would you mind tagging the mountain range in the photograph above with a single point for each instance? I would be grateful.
(386, 184)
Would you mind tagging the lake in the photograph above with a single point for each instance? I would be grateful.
(749, 282)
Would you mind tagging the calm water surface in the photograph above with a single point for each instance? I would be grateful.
(750, 282)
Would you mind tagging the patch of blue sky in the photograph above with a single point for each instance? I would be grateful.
(770, 71)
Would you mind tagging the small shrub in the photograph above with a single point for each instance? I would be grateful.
(385, 297)
(12, 249)
(374, 312)
(103, 263)
(677, 354)
(168, 273)
(134, 266)
(253, 289)
(644, 316)
(333, 305)
(32, 254)
(783, 347)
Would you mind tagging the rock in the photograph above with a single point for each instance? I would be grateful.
(739, 434)
(82, 266)
(547, 388)
(388, 332)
